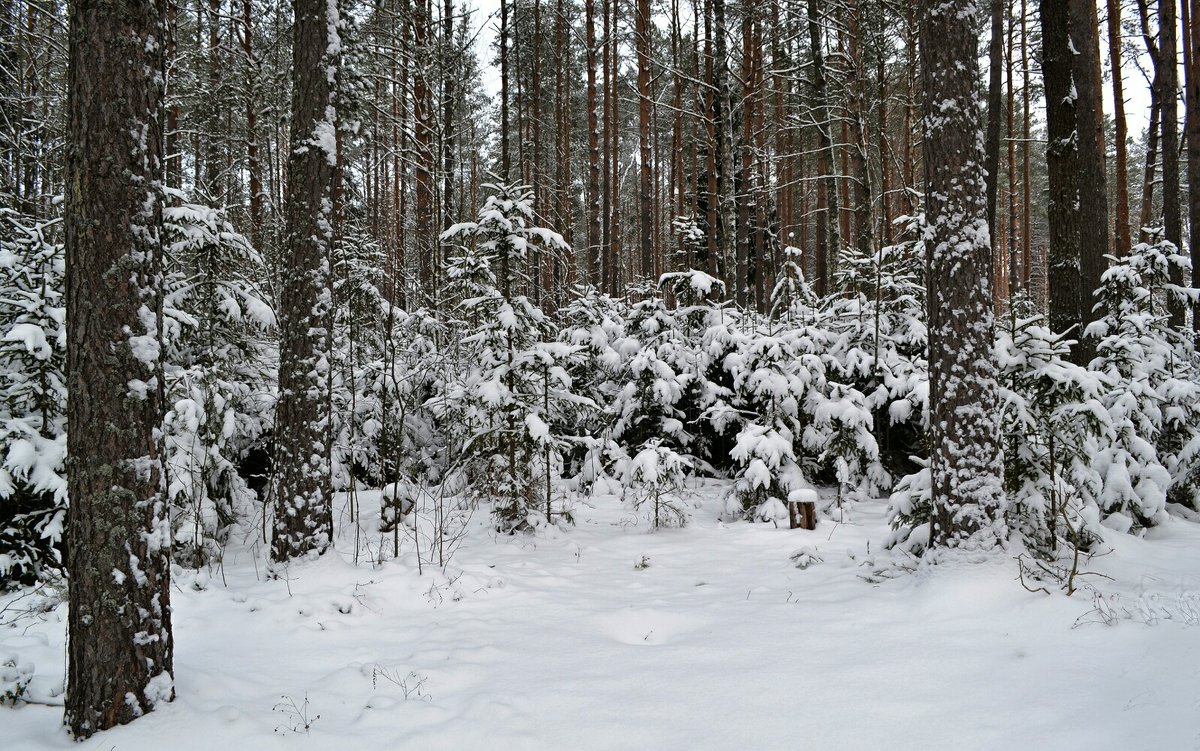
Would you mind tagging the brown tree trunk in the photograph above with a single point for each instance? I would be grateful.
(173, 153)
(213, 186)
(1013, 251)
(1026, 160)
(857, 145)
(1146, 214)
(1191, 41)
(1062, 161)
(594, 238)
(303, 487)
(966, 461)
(991, 161)
(712, 192)
(784, 159)
(1172, 214)
(449, 104)
(726, 179)
(118, 539)
(761, 262)
(827, 191)
(744, 179)
(606, 153)
(678, 189)
(614, 216)
(423, 164)
(562, 178)
(1094, 241)
(1078, 209)
(505, 155)
(1121, 225)
(646, 219)
(886, 154)
(253, 165)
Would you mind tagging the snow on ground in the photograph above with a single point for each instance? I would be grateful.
(612, 636)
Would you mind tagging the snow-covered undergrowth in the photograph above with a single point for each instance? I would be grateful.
(610, 635)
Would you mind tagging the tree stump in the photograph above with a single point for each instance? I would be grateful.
(802, 509)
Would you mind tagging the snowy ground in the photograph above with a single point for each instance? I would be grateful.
(568, 641)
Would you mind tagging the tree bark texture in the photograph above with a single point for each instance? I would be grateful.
(303, 489)
(119, 654)
(966, 463)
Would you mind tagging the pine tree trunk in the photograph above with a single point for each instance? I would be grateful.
(1172, 214)
(173, 155)
(118, 536)
(726, 180)
(253, 164)
(1093, 174)
(966, 464)
(743, 180)
(1122, 236)
(1026, 161)
(646, 225)
(449, 103)
(564, 217)
(424, 164)
(303, 491)
(594, 239)
(1146, 214)
(992, 158)
(712, 188)
(827, 220)
(886, 155)
(505, 155)
(614, 215)
(678, 189)
(857, 145)
(1191, 41)
(1062, 163)
(1013, 252)
(1078, 208)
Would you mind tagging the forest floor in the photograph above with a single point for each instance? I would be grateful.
(610, 635)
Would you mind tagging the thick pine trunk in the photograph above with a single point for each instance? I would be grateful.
(1093, 174)
(965, 465)
(303, 491)
(1078, 207)
(119, 655)
(1062, 163)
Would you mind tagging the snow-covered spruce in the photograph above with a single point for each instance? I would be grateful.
(514, 392)
(1153, 399)
(33, 490)
(218, 334)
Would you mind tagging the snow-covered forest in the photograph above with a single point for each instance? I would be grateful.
(600, 374)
